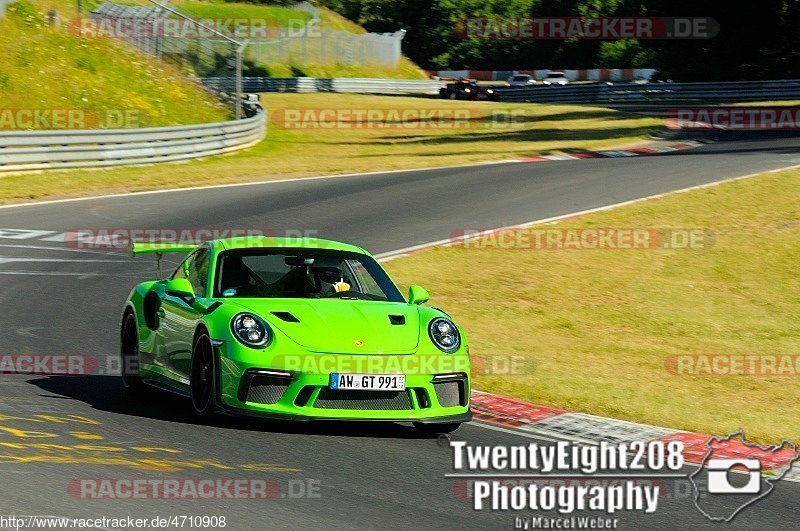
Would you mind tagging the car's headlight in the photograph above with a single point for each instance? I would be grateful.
(467, 90)
(251, 330)
(444, 335)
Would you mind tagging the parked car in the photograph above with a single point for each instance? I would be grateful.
(555, 78)
(520, 80)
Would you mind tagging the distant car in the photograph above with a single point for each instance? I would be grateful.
(555, 78)
(251, 105)
(467, 89)
(520, 80)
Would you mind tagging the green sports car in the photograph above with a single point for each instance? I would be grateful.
(303, 329)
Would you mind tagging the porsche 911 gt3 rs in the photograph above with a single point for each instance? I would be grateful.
(295, 329)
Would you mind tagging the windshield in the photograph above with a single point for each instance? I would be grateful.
(302, 274)
(555, 74)
(520, 78)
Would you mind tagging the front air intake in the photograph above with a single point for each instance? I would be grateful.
(450, 393)
(366, 400)
(266, 389)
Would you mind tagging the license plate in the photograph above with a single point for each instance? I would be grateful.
(369, 382)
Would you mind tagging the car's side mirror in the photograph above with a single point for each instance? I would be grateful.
(417, 295)
(179, 287)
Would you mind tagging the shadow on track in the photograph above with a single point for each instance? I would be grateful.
(105, 393)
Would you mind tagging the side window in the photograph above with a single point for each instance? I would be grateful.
(198, 272)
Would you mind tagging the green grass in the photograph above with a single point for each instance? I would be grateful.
(290, 152)
(405, 70)
(50, 68)
(218, 10)
(597, 328)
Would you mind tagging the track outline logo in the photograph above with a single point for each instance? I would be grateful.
(722, 466)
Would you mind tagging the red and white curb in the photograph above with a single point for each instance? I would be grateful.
(556, 423)
(616, 153)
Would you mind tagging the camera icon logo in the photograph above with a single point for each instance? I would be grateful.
(718, 470)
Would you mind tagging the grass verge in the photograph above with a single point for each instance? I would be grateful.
(46, 68)
(492, 132)
(600, 329)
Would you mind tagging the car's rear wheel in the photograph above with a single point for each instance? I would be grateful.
(202, 376)
(129, 352)
(437, 429)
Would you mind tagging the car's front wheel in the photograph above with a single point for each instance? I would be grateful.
(202, 373)
(437, 428)
(129, 352)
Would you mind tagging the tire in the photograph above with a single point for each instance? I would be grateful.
(202, 376)
(437, 429)
(129, 353)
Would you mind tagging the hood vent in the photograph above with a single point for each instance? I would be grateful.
(397, 319)
(286, 316)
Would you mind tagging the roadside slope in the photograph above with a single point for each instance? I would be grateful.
(46, 68)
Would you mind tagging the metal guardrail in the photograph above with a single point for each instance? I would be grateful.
(726, 91)
(44, 150)
(352, 85)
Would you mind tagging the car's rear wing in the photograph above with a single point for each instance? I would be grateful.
(159, 249)
(150, 248)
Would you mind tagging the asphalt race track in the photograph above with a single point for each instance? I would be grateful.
(56, 299)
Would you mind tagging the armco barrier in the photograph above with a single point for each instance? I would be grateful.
(43, 150)
(586, 74)
(728, 91)
(352, 85)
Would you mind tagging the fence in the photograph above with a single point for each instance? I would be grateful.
(352, 85)
(309, 44)
(730, 91)
(196, 48)
(42, 150)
